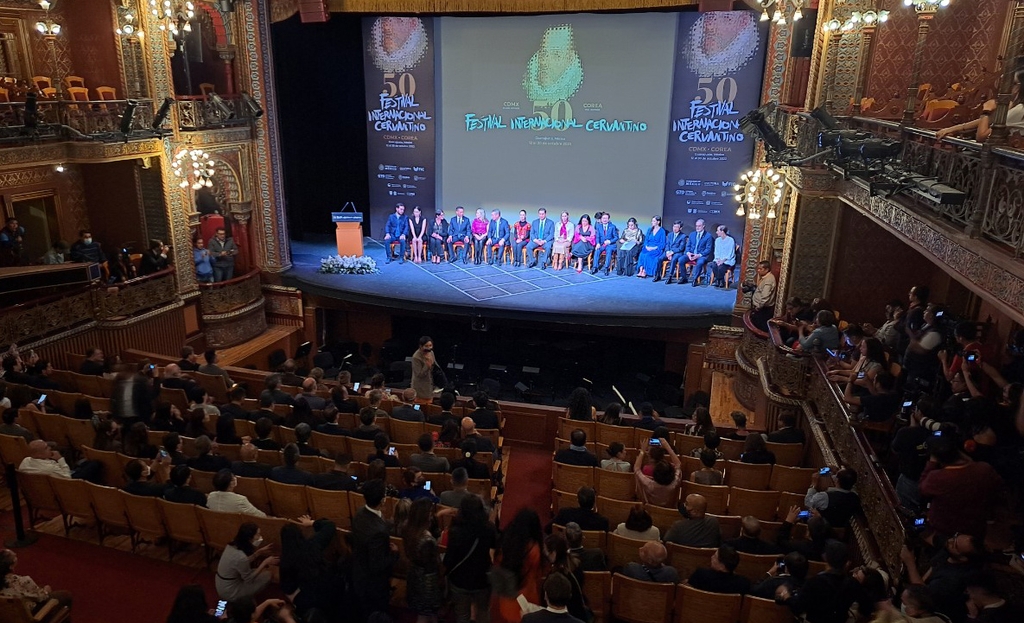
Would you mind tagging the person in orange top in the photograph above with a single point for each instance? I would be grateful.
(518, 558)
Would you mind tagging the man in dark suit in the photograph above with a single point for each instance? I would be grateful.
(675, 254)
(749, 541)
(132, 397)
(576, 453)
(396, 230)
(248, 467)
(648, 418)
(330, 426)
(459, 234)
(483, 416)
(288, 473)
(483, 444)
(138, 474)
(558, 594)
(543, 232)
(339, 478)
(787, 432)
(234, 408)
(367, 429)
(497, 237)
(584, 515)
(273, 390)
(607, 236)
(264, 429)
(266, 410)
(591, 558)
(204, 460)
(699, 247)
(288, 375)
(447, 401)
(373, 554)
(720, 578)
(174, 379)
(93, 364)
(189, 359)
(405, 410)
(179, 492)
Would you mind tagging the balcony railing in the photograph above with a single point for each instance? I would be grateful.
(789, 367)
(73, 120)
(197, 112)
(226, 296)
(34, 320)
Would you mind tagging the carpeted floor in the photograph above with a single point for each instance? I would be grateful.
(527, 483)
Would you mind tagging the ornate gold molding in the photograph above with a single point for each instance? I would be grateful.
(491, 6)
(223, 298)
(240, 134)
(72, 152)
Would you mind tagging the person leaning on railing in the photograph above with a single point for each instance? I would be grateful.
(983, 124)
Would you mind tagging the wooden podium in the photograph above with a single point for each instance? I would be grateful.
(349, 232)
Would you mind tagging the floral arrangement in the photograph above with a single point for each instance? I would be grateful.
(348, 265)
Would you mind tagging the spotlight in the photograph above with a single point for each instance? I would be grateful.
(222, 106)
(252, 105)
(128, 117)
(825, 118)
(59, 168)
(757, 124)
(161, 115)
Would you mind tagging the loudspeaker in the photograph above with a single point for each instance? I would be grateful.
(802, 36)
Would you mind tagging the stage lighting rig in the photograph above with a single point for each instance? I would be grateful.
(755, 123)
(893, 180)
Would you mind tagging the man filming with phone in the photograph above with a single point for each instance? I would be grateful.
(966, 335)
(836, 504)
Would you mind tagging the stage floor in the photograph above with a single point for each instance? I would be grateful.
(512, 292)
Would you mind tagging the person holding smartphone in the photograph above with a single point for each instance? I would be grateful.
(969, 355)
(418, 486)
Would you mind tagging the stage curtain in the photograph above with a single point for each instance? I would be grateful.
(498, 6)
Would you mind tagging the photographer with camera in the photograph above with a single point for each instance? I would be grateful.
(968, 355)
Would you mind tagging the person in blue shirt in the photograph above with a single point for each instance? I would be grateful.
(543, 232)
(397, 230)
(699, 246)
(497, 237)
(459, 235)
(607, 238)
(654, 247)
(204, 263)
(675, 247)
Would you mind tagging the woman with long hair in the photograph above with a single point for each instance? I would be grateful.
(237, 579)
(107, 432)
(479, 230)
(305, 575)
(562, 245)
(471, 540)
(449, 435)
(519, 566)
(190, 606)
(583, 242)
(556, 549)
(580, 407)
(136, 442)
(195, 423)
(423, 580)
(417, 234)
(167, 417)
(630, 242)
(612, 414)
(701, 422)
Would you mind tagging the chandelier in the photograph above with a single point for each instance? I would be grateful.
(927, 6)
(46, 26)
(126, 25)
(759, 191)
(173, 16)
(194, 167)
(779, 14)
(857, 20)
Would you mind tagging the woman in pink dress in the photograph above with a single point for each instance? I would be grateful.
(479, 230)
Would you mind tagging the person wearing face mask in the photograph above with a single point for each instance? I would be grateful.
(155, 259)
(237, 578)
(423, 364)
(86, 249)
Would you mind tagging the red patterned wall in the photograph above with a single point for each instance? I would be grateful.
(863, 275)
(964, 38)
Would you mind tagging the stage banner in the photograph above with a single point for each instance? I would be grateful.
(719, 64)
(398, 60)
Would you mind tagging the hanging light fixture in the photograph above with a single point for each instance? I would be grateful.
(46, 26)
(758, 192)
(193, 167)
(126, 24)
(173, 16)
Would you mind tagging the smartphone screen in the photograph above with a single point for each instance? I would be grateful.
(417, 407)
(804, 515)
(919, 522)
(391, 451)
(908, 403)
(41, 400)
(355, 478)
(831, 353)
(825, 471)
(355, 387)
(426, 486)
(163, 453)
(221, 607)
(654, 441)
(860, 374)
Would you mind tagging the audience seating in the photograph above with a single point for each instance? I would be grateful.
(113, 471)
(635, 601)
(686, 444)
(108, 505)
(787, 454)
(663, 517)
(754, 566)
(183, 526)
(255, 489)
(562, 499)
(697, 606)
(616, 485)
(144, 519)
(606, 434)
(717, 496)
(747, 475)
(16, 610)
(597, 589)
(757, 610)
(728, 525)
(38, 495)
(571, 477)
(685, 558)
(790, 479)
(731, 449)
(287, 501)
(621, 550)
(73, 497)
(760, 504)
(615, 511)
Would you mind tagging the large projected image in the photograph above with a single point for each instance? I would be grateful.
(567, 112)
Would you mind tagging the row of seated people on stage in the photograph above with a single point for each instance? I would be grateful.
(545, 241)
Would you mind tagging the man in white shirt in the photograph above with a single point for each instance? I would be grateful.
(762, 303)
(225, 500)
(725, 255)
(42, 460)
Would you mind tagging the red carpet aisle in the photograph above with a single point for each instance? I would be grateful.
(527, 483)
(107, 584)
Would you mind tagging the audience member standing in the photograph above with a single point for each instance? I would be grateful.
(518, 566)
(223, 250)
(154, 259)
(373, 554)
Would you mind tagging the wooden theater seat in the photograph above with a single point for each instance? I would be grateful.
(790, 479)
(635, 601)
(747, 475)
(760, 504)
(697, 606)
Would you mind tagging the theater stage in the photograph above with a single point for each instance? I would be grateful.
(512, 292)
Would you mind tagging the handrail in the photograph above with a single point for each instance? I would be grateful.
(225, 296)
(220, 284)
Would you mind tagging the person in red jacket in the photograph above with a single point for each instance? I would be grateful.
(961, 491)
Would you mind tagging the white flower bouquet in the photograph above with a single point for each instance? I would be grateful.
(348, 265)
